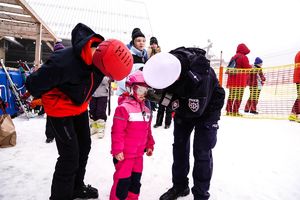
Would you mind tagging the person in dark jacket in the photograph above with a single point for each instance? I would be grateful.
(197, 99)
(162, 111)
(65, 83)
(48, 131)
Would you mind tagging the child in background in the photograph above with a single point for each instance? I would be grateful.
(131, 137)
(139, 54)
(255, 82)
(98, 105)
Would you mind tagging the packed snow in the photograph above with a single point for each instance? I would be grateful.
(253, 160)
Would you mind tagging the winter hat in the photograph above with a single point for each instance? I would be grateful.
(58, 46)
(136, 33)
(258, 61)
(153, 40)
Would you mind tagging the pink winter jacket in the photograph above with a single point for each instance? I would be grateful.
(131, 129)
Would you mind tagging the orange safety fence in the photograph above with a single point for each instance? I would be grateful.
(247, 95)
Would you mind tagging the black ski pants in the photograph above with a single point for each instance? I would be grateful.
(205, 138)
(48, 131)
(98, 107)
(160, 115)
(72, 137)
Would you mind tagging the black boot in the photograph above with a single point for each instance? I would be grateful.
(86, 192)
(156, 125)
(174, 193)
(49, 140)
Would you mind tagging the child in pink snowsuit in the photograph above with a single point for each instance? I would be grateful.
(131, 137)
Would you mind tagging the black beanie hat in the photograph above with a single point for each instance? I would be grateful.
(153, 40)
(136, 32)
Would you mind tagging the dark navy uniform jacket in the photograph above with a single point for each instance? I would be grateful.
(197, 93)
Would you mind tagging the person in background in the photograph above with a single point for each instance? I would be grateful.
(66, 82)
(256, 81)
(130, 44)
(48, 131)
(131, 137)
(38, 102)
(153, 49)
(237, 80)
(98, 105)
(139, 54)
(295, 114)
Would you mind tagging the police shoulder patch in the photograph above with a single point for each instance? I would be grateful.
(194, 104)
(175, 104)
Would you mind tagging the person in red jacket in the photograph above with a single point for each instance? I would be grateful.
(65, 82)
(131, 136)
(237, 80)
(294, 116)
(255, 82)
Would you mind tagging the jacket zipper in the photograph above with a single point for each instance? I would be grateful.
(92, 84)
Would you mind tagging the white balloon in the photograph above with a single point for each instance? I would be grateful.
(161, 70)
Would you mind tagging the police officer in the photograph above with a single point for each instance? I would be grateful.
(197, 99)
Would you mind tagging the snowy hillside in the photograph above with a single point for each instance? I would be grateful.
(253, 160)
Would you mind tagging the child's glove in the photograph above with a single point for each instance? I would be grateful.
(149, 152)
(119, 156)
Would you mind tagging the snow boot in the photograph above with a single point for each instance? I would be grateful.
(100, 128)
(292, 117)
(93, 126)
(298, 118)
(174, 193)
(85, 192)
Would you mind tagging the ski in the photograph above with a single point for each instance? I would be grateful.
(15, 92)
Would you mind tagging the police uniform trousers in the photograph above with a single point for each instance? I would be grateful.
(205, 138)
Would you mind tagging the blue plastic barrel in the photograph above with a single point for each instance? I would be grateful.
(5, 91)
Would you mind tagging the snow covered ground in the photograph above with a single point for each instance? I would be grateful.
(253, 160)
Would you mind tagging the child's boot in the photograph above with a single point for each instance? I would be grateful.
(100, 128)
(298, 118)
(93, 127)
(292, 117)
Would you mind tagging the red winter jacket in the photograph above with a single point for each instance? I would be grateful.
(240, 77)
(256, 74)
(131, 129)
(297, 68)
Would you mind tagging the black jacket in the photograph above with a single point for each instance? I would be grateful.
(197, 93)
(66, 70)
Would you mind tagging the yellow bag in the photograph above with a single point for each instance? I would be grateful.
(8, 136)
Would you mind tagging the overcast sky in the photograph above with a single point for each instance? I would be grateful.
(269, 28)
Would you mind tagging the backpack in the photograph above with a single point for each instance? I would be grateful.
(232, 63)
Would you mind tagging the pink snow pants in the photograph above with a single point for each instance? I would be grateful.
(127, 179)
